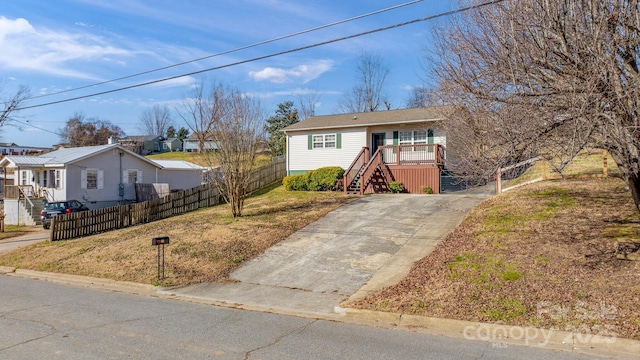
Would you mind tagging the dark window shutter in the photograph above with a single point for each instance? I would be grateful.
(338, 141)
(430, 139)
(395, 140)
(310, 142)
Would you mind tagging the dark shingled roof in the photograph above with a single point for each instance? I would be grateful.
(402, 116)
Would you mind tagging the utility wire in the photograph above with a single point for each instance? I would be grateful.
(233, 50)
(448, 13)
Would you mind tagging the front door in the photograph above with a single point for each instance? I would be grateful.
(377, 140)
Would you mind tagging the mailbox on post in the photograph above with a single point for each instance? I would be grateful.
(160, 241)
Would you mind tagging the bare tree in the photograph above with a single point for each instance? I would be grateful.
(79, 131)
(421, 97)
(368, 94)
(12, 104)
(308, 102)
(234, 123)
(566, 71)
(155, 121)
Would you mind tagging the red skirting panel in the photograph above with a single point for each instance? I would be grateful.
(416, 177)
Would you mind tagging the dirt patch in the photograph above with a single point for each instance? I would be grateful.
(205, 245)
(542, 255)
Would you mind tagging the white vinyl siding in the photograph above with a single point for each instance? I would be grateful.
(343, 146)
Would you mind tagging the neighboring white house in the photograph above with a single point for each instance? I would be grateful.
(99, 176)
(192, 144)
(336, 140)
(14, 149)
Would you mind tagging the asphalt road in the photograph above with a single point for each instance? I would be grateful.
(40, 319)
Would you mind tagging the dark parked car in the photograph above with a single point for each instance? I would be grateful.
(56, 208)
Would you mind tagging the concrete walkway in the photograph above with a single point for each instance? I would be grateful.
(37, 235)
(359, 248)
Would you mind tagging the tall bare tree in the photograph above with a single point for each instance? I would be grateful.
(567, 71)
(234, 123)
(308, 102)
(156, 120)
(368, 93)
(79, 131)
(10, 105)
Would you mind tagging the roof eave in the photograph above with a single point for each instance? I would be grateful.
(346, 126)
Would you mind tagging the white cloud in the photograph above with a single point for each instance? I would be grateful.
(48, 51)
(181, 81)
(305, 73)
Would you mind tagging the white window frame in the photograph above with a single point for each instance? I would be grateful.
(412, 137)
(91, 180)
(127, 176)
(58, 179)
(326, 141)
(84, 179)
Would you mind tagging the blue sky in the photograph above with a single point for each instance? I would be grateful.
(56, 45)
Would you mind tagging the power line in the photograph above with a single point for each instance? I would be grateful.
(233, 50)
(432, 17)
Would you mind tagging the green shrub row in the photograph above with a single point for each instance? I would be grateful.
(323, 179)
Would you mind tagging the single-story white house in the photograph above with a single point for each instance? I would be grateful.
(99, 176)
(409, 144)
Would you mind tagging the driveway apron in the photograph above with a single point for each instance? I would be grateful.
(359, 248)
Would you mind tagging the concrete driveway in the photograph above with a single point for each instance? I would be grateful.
(37, 235)
(361, 247)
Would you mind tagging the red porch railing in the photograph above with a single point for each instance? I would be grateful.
(413, 154)
(354, 169)
(369, 170)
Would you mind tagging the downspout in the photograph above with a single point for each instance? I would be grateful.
(121, 184)
(286, 155)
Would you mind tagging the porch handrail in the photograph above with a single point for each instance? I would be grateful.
(422, 154)
(26, 198)
(48, 195)
(376, 161)
(356, 166)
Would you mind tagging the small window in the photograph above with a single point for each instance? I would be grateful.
(58, 179)
(420, 137)
(132, 176)
(330, 141)
(405, 137)
(324, 141)
(92, 178)
(24, 177)
(318, 141)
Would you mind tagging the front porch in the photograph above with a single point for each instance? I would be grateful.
(415, 166)
(22, 204)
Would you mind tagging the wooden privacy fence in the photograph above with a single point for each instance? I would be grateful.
(117, 217)
(267, 175)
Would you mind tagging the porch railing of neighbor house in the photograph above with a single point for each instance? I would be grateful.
(353, 171)
(412, 154)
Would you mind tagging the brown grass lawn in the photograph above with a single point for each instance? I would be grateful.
(542, 255)
(205, 245)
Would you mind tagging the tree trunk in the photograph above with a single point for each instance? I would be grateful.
(634, 187)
